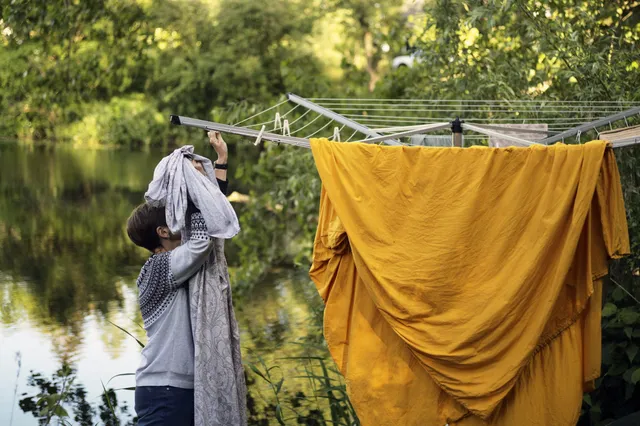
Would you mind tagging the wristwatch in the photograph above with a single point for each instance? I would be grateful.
(224, 166)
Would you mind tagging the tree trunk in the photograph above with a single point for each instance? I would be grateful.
(372, 61)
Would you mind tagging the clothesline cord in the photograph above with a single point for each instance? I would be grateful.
(291, 110)
(262, 112)
(366, 119)
(546, 119)
(466, 109)
(319, 130)
(523, 107)
(271, 121)
(484, 101)
(444, 103)
(299, 118)
(352, 135)
(306, 125)
(625, 290)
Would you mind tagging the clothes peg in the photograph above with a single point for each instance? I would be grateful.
(277, 122)
(286, 131)
(259, 138)
(336, 134)
(578, 137)
(610, 126)
(626, 123)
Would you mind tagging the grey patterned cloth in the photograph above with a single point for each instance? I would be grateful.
(171, 178)
(219, 385)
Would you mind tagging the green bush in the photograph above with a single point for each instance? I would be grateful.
(132, 121)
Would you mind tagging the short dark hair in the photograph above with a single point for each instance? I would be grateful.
(142, 225)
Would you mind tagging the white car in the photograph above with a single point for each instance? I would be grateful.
(406, 60)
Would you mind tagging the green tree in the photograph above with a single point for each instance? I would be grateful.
(367, 27)
(60, 54)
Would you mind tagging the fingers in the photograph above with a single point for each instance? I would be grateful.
(219, 137)
(215, 138)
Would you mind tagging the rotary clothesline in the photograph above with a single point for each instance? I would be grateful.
(558, 120)
(560, 115)
(621, 137)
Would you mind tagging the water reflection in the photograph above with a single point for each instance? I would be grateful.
(69, 399)
(67, 274)
(61, 235)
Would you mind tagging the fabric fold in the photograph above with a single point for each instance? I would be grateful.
(171, 178)
(464, 267)
(220, 390)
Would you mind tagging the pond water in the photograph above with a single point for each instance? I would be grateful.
(67, 278)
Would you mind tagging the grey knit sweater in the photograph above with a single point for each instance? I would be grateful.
(168, 357)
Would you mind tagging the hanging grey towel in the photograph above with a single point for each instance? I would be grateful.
(220, 389)
(171, 178)
(219, 385)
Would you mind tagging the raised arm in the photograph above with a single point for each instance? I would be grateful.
(220, 165)
(190, 256)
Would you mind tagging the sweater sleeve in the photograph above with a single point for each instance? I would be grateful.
(224, 185)
(190, 256)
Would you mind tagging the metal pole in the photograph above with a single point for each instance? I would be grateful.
(588, 126)
(621, 143)
(514, 129)
(242, 131)
(337, 117)
(456, 132)
(424, 129)
(498, 134)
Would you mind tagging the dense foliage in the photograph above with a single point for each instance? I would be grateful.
(108, 72)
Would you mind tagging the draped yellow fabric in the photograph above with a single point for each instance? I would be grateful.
(462, 286)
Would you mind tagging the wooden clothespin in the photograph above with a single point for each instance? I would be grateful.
(277, 122)
(336, 134)
(259, 138)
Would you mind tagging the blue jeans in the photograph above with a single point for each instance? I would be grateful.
(164, 406)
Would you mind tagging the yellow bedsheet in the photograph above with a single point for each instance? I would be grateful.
(462, 286)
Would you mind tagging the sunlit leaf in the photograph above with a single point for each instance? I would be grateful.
(609, 309)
